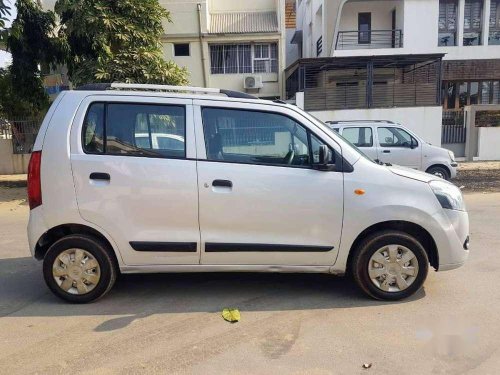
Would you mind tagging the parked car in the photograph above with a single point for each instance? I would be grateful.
(257, 186)
(393, 143)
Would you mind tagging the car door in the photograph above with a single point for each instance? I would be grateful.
(397, 146)
(362, 138)
(261, 201)
(142, 192)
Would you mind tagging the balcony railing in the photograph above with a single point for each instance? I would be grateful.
(369, 39)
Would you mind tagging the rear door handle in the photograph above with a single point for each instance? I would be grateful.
(222, 183)
(100, 176)
(386, 151)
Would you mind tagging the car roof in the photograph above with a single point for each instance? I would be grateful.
(181, 92)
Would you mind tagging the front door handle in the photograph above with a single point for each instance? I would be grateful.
(386, 151)
(100, 176)
(222, 183)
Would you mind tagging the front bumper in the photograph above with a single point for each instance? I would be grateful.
(452, 240)
(453, 169)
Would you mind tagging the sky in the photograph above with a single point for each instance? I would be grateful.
(4, 56)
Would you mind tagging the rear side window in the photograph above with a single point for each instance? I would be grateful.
(255, 137)
(359, 136)
(136, 130)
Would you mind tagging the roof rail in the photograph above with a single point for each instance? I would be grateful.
(359, 121)
(147, 87)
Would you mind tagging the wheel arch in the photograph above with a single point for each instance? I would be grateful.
(440, 166)
(56, 233)
(410, 228)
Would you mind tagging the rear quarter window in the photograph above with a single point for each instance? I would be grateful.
(135, 130)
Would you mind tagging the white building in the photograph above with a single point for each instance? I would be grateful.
(401, 60)
(238, 45)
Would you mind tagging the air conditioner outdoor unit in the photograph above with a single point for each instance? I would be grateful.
(253, 82)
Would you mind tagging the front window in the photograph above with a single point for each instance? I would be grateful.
(394, 137)
(244, 58)
(254, 137)
(447, 23)
(473, 14)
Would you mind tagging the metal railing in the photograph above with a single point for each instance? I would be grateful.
(22, 132)
(453, 128)
(369, 39)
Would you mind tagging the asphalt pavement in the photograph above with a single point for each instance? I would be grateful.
(291, 324)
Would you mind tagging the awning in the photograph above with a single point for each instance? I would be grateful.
(243, 23)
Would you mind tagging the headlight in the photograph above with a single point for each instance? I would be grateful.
(452, 155)
(448, 195)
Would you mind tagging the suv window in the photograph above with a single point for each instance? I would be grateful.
(394, 137)
(135, 129)
(359, 136)
(255, 137)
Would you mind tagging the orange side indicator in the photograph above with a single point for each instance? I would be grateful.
(359, 192)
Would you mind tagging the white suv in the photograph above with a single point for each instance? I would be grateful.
(242, 185)
(392, 143)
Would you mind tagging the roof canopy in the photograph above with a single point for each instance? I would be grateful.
(243, 23)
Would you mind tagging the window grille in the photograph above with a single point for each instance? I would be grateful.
(243, 58)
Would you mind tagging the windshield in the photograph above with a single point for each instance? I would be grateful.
(318, 121)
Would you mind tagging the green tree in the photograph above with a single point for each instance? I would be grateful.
(4, 13)
(33, 44)
(116, 41)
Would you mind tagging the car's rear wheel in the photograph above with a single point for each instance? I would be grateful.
(390, 265)
(79, 268)
(440, 172)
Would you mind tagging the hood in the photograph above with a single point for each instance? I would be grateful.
(412, 173)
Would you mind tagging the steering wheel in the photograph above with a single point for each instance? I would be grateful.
(289, 157)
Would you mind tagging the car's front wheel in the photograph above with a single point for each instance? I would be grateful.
(440, 172)
(390, 265)
(79, 268)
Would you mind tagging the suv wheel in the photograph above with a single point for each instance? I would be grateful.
(439, 172)
(390, 265)
(79, 269)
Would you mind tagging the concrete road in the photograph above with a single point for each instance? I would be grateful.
(291, 324)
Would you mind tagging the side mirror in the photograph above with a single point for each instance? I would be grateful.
(414, 143)
(325, 159)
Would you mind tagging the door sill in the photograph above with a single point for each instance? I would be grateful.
(181, 268)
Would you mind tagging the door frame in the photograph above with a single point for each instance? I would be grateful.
(241, 252)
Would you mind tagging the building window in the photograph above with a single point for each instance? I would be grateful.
(470, 93)
(244, 58)
(181, 49)
(364, 28)
(473, 14)
(494, 36)
(447, 23)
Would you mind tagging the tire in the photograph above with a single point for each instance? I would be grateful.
(439, 171)
(91, 276)
(381, 241)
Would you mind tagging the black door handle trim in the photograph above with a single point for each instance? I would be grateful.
(386, 151)
(222, 183)
(100, 176)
